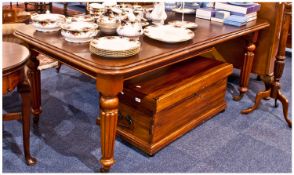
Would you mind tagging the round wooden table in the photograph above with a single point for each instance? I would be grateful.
(14, 59)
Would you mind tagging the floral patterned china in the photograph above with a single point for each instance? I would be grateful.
(108, 22)
(115, 46)
(109, 3)
(131, 29)
(168, 33)
(158, 14)
(138, 7)
(79, 32)
(185, 24)
(147, 13)
(48, 22)
(95, 9)
(82, 17)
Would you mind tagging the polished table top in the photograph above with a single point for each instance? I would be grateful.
(13, 56)
(152, 52)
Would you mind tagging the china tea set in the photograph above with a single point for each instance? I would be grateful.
(125, 20)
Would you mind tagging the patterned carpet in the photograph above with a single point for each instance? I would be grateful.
(67, 139)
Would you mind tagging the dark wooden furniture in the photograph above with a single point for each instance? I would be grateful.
(265, 53)
(14, 59)
(14, 15)
(12, 4)
(65, 7)
(158, 107)
(39, 7)
(275, 89)
(110, 73)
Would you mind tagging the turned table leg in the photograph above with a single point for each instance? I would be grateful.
(109, 89)
(246, 67)
(35, 80)
(25, 92)
(108, 123)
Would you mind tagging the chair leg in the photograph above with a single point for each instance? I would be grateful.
(26, 6)
(24, 90)
(50, 7)
(276, 103)
(58, 67)
(65, 5)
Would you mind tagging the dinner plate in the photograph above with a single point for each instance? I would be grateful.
(242, 3)
(184, 10)
(168, 33)
(185, 24)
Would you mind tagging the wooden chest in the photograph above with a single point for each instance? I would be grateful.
(160, 106)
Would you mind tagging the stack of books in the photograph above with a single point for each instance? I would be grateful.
(205, 13)
(249, 12)
(220, 16)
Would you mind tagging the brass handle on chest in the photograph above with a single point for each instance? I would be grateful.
(125, 121)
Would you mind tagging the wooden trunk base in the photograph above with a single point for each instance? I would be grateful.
(151, 149)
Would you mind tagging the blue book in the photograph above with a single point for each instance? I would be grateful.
(234, 23)
(240, 14)
(235, 18)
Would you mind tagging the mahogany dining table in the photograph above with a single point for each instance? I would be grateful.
(110, 73)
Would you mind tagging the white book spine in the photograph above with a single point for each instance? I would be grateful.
(217, 20)
(203, 17)
(252, 18)
(203, 12)
(250, 15)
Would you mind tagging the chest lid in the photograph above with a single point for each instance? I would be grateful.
(162, 88)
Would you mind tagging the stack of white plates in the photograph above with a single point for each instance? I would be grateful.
(115, 46)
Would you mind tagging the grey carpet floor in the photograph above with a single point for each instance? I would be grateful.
(67, 139)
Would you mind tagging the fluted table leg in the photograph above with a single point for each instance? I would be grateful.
(246, 67)
(109, 89)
